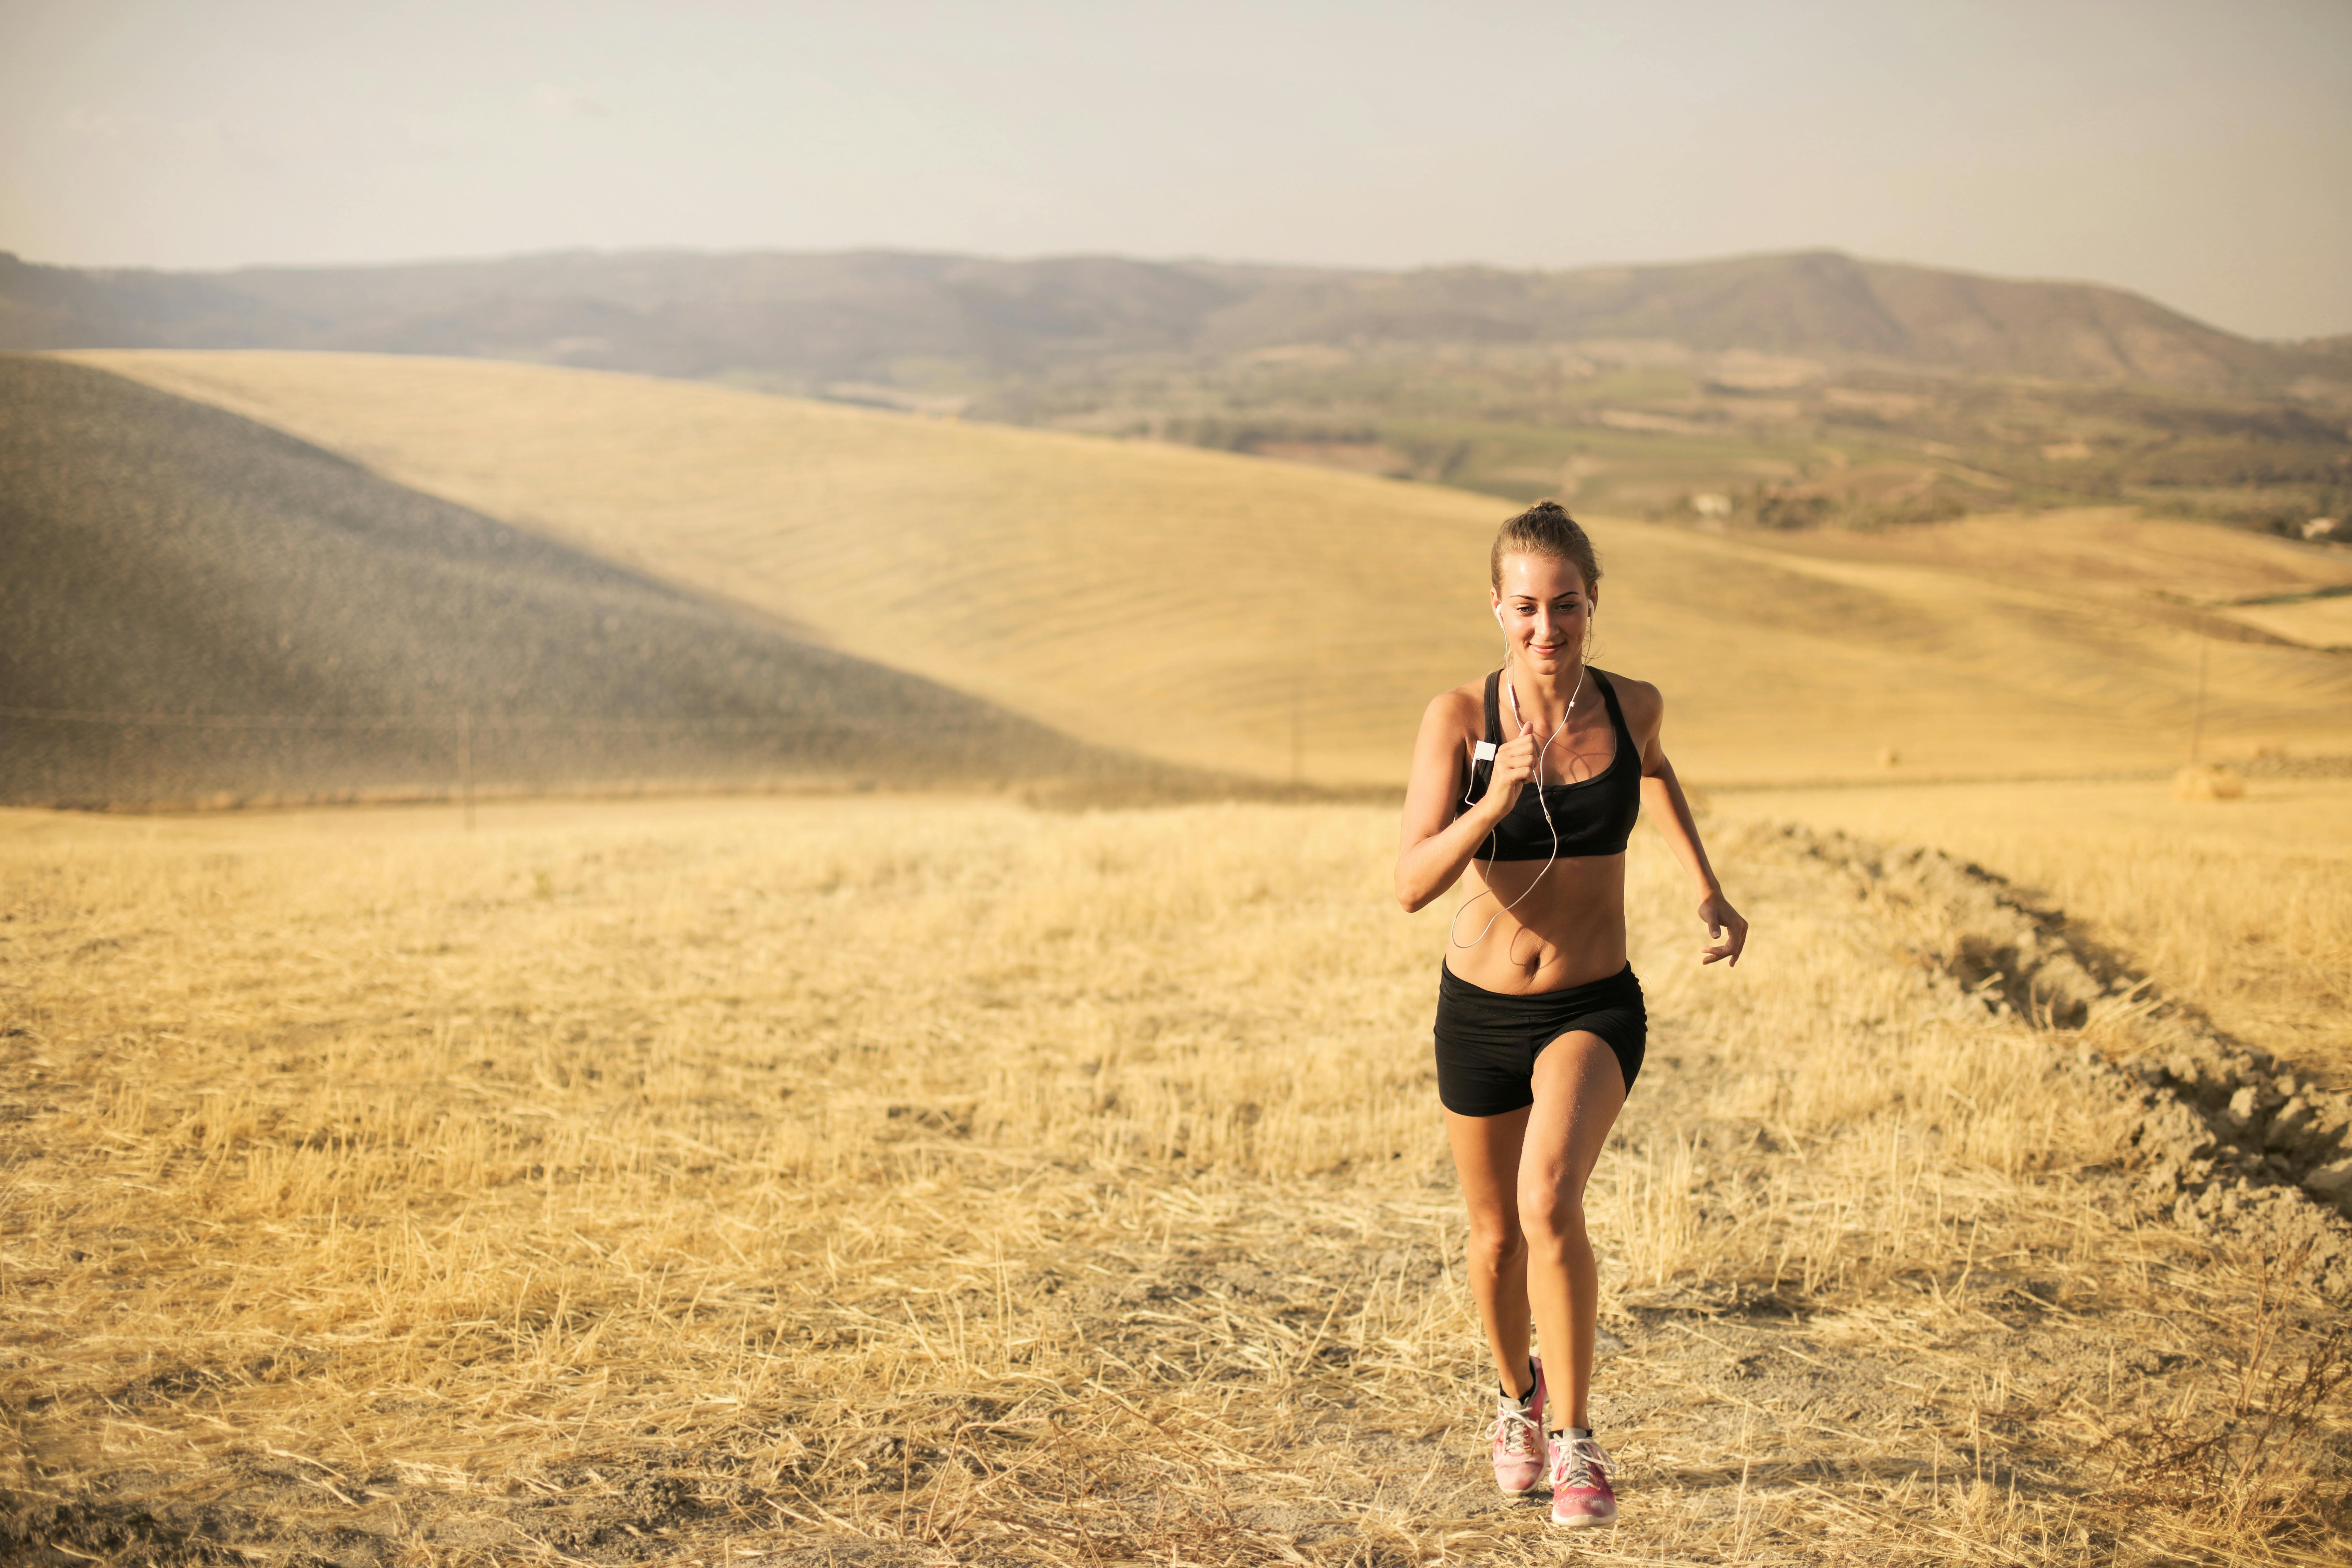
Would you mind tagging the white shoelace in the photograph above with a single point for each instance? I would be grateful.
(1574, 1459)
(1515, 1427)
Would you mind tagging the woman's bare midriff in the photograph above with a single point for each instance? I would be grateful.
(1569, 930)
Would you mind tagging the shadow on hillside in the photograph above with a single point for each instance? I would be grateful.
(203, 613)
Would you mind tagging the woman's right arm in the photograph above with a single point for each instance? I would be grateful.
(1437, 845)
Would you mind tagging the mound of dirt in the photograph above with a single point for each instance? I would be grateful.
(201, 610)
(2235, 1142)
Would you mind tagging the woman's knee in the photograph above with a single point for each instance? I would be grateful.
(1552, 1213)
(1495, 1245)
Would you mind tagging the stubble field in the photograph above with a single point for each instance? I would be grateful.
(910, 1181)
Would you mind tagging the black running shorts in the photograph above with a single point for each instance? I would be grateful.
(1487, 1041)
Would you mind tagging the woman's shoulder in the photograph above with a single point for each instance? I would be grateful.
(1462, 707)
(1642, 701)
(1470, 696)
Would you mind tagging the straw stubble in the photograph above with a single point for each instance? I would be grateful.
(883, 1178)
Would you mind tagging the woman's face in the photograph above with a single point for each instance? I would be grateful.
(1546, 610)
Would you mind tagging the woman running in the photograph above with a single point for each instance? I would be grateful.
(1540, 1020)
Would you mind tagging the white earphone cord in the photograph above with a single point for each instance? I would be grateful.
(1492, 836)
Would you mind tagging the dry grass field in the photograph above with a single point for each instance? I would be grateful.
(2225, 582)
(2243, 908)
(1248, 616)
(2221, 582)
(884, 1182)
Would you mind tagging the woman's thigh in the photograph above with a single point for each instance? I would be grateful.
(1578, 1090)
(1486, 1152)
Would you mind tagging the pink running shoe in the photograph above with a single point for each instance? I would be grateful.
(1581, 1493)
(1517, 1436)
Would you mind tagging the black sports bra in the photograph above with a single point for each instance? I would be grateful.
(1594, 816)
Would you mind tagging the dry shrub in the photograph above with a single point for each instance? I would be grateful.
(2242, 1464)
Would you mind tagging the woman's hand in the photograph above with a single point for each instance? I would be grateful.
(1727, 928)
(1515, 764)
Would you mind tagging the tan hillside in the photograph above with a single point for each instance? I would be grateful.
(1206, 608)
(2224, 580)
(202, 612)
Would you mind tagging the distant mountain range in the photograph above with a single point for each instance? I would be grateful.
(814, 320)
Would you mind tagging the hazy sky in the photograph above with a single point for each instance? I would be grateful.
(2200, 153)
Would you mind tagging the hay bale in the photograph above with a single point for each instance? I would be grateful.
(2207, 780)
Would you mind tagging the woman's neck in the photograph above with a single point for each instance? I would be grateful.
(1542, 699)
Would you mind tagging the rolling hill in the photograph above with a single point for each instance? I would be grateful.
(1226, 612)
(200, 607)
(1782, 391)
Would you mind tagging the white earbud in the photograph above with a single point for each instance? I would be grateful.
(1498, 615)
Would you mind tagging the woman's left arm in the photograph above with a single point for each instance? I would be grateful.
(1662, 795)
